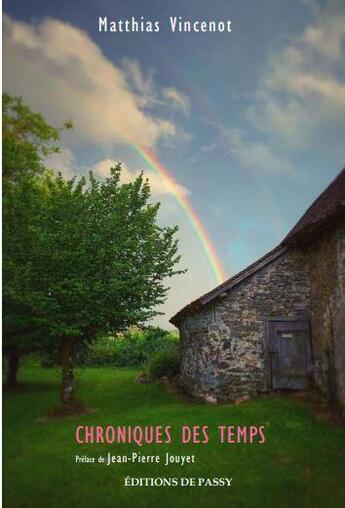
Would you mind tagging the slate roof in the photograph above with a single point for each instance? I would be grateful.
(329, 204)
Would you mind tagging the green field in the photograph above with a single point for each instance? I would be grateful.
(302, 464)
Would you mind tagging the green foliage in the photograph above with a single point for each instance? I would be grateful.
(50, 355)
(164, 363)
(27, 139)
(117, 352)
(102, 258)
(21, 210)
(80, 256)
(133, 348)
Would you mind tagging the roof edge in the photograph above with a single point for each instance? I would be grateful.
(307, 223)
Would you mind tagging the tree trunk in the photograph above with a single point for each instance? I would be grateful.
(67, 386)
(13, 364)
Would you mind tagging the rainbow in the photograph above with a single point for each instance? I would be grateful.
(152, 161)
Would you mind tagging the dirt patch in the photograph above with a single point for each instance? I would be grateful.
(322, 410)
(173, 386)
(61, 412)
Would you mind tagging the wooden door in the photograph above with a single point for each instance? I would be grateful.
(290, 355)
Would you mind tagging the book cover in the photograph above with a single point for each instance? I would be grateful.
(173, 253)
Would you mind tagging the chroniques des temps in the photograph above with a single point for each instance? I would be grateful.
(151, 434)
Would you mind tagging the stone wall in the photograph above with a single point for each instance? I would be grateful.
(327, 265)
(223, 346)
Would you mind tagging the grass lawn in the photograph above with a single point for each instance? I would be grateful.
(302, 463)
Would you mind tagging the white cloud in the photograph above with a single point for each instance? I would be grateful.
(327, 37)
(150, 95)
(251, 154)
(255, 155)
(63, 162)
(303, 88)
(299, 97)
(300, 73)
(158, 184)
(61, 72)
(177, 99)
(142, 84)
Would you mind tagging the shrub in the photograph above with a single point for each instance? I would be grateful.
(133, 348)
(48, 359)
(51, 357)
(157, 340)
(129, 351)
(102, 351)
(165, 363)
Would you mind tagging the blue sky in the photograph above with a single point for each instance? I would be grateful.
(249, 123)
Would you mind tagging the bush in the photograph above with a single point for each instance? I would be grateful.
(165, 363)
(51, 357)
(101, 351)
(133, 348)
(157, 340)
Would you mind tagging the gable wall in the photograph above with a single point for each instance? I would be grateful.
(223, 345)
(327, 263)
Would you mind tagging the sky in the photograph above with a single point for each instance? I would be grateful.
(248, 125)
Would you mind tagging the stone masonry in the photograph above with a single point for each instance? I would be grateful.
(224, 354)
(226, 351)
(327, 269)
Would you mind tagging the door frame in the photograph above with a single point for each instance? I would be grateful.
(268, 382)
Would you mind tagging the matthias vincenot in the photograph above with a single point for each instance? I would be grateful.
(176, 24)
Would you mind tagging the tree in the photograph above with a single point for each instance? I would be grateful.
(80, 256)
(21, 206)
(27, 139)
(103, 262)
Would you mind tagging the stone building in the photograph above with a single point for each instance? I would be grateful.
(278, 324)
